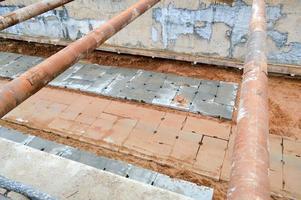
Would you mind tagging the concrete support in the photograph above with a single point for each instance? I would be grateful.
(30, 11)
(18, 90)
(250, 162)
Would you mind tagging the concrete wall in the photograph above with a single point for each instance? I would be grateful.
(198, 28)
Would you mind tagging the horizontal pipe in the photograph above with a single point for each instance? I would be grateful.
(19, 89)
(250, 162)
(30, 11)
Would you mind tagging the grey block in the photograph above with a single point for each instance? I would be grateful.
(90, 72)
(183, 187)
(142, 175)
(208, 87)
(6, 58)
(78, 84)
(101, 83)
(183, 81)
(226, 94)
(184, 98)
(137, 95)
(127, 72)
(117, 167)
(12, 135)
(203, 96)
(155, 82)
(226, 111)
(115, 87)
(19, 66)
(60, 81)
(141, 77)
(212, 109)
(44, 145)
(165, 95)
(86, 158)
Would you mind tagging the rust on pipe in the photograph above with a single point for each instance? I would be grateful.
(250, 162)
(30, 11)
(19, 89)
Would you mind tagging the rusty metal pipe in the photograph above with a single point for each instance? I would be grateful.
(19, 89)
(250, 162)
(30, 11)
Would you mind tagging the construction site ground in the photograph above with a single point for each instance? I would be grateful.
(55, 114)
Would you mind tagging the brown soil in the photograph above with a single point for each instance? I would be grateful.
(284, 93)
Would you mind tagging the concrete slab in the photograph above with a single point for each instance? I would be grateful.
(43, 145)
(226, 94)
(141, 174)
(12, 135)
(60, 81)
(183, 187)
(117, 167)
(85, 158)
(184, 97)
(71, 180)
(6, 58)
(19, 66)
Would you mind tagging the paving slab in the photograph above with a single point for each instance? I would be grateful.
(19, 66)
(60, 81)
(184, 97)
(101, 83)
(90, 72)
(43, 145)
(291, 168)
(141, 174)
(85, 158)
(226, 93)
(210, 156)
(6, 58)
(183, 187)
(12, 135)
(276, 163)
(117, 167)
(212, 98)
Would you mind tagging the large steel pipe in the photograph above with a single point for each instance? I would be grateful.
(19, 89)
(250, 163)
(30, 11)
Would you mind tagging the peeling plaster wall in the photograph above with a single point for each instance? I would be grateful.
(195, 27)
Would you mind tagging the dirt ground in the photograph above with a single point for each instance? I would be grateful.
(284, 92)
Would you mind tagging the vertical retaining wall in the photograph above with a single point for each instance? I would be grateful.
(198, 28)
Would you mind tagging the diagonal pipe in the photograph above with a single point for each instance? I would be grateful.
(250, 162)
(30, 11)
(19, 89)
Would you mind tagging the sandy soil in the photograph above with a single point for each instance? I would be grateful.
(284, 92)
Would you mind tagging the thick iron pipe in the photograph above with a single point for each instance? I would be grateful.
(250, 162)
(19, 89)
(30, 11)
